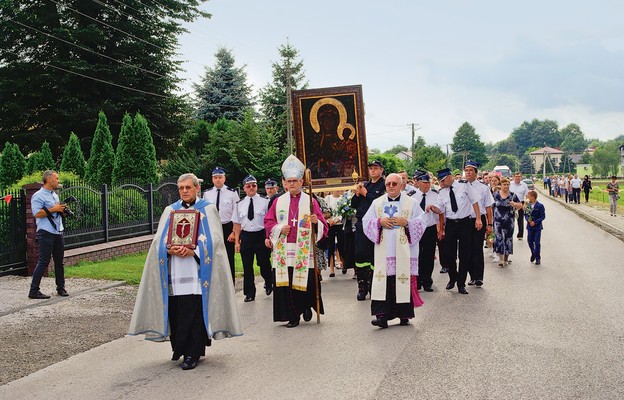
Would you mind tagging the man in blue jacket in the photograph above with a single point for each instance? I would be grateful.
(534, 214)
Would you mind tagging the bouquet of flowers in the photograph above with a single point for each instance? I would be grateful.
(529, 210)
(344, 208)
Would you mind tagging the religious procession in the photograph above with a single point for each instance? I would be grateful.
(335, 210)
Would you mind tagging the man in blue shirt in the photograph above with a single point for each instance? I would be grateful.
(47, 210)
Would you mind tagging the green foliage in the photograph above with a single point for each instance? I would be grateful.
(429, 158)
(509, 160)
(467, 145)
(606, 160)
(573, 139)
(273, 97)
(223, 92)
(127, 204)
(396, 149)
(102, 157)
(40, 102)
(65, 178)
(537, 134)
(390, 162)
(136, 155)
(12, 165)
(507, 146)
(44, 159)
(73, 159)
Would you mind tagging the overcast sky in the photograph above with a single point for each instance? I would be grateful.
(435, 63)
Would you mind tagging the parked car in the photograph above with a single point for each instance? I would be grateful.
(529, 183)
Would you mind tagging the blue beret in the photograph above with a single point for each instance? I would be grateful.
(443, 173)
(249, 179)
(218, 171)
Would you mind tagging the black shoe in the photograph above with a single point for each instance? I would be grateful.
(380, 322)
(332, 275)
(479, 283)
(462, 290)
(62, 292)
(471, 283)
(175, 357)
(38, 295)
(537, 262)
(444, 270)
(450, 285)
(404, 322)
(189, 362)
(361, 296)
(269, 290)
(307, 314)
(428, 289)
(532, 258)
(249, 298)
(292, 324)
(344, 271)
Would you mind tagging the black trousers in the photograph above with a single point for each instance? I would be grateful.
(50, 246)
(229, 246)
(426, 255)
(335, 240)
(520, 223)
(252, 244)
(576, 193)
(187, 329)
(458, 233)
(477, 264)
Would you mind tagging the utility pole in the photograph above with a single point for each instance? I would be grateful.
(289, 111)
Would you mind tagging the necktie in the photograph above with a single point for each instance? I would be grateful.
(250, 211)
(453, 200)
(218, 198)
(423, 202)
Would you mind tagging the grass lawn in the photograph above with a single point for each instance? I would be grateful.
(127, 268)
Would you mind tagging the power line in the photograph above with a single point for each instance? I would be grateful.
(93, 78)
(87, 49)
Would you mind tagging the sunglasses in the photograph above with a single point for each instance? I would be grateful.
(392, 184)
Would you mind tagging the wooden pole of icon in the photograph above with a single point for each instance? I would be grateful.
(308, 178)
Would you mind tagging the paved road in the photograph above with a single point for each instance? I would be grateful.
(552, 332)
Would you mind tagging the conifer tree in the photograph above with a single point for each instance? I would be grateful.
(44, 160)
(223, 92)
(100, 165)
(73, 159)
(136, 155)
(12, 165)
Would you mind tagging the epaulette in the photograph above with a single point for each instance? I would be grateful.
(232, 189)
(462, 181)
(264, 196)
(411, 193)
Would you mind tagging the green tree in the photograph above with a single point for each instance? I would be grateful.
(467, 145)
(288, 71)
(507, 146)
(396, 149)
(73, 159)
(509, 160)
(63, 61)
(573, 139)
(429, 158)
(43, 159)
(391, 163)
(102, 157)
(12, 165)
(223, 92)
(537, 134)
(136, 156)
(606, 160)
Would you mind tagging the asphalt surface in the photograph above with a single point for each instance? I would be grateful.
(554, 331)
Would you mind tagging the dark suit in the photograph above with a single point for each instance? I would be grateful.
(534, 233)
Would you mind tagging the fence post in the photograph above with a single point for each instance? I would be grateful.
(150, 207)
(105, 211)
(32, 249)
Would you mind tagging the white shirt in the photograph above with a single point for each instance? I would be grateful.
(485, 197)
(465, 196)
(184, 274)
(227, 201)
(576, 183)
(520, 190)
(332, 203)
(261, 206)
(431, 197)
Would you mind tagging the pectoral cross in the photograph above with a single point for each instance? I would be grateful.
(294, 221)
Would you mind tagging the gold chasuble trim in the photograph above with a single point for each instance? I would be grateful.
(302, 246)
(403, 282)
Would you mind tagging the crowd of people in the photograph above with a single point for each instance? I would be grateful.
(387, 229)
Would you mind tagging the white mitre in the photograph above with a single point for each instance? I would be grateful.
(293, 168)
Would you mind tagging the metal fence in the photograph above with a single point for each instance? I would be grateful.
(12, 232)
(125, 211)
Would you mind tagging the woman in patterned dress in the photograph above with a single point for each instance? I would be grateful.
(504, 204)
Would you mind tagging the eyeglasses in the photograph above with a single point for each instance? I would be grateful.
(392, 184)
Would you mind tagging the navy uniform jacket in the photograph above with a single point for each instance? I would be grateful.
(538, 214)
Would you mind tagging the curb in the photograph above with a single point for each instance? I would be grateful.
(58, 299)
(607, 227)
